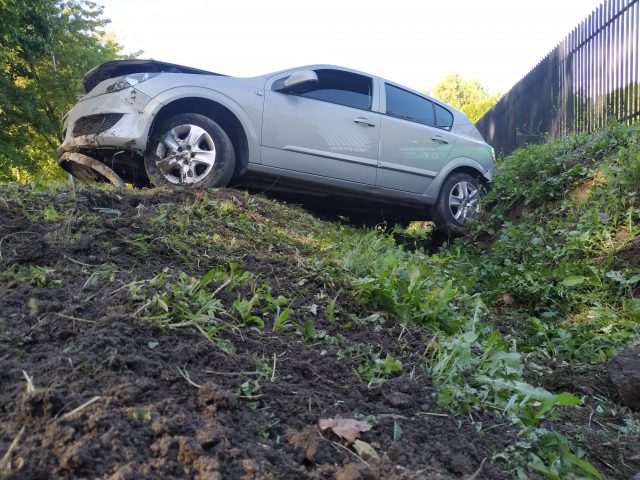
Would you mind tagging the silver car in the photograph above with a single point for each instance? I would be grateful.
(330, 136)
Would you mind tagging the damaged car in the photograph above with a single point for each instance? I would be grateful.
(324, 135)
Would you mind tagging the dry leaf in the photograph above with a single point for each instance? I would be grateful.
(365, 450)
(200, 194)
(346, 428)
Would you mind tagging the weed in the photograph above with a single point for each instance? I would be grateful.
(266, 367)
(50, 214)
(371, 369)
(308, 329)
(142, 244)
(331, 309)
(34, 275)
(265, 429)
(173, 301)
(244, 308)
(281, 318)
(548, 278)
(105, 271)
(140, 414)
(249, 390)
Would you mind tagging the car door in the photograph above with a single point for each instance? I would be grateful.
(328, 131)
(414, 140)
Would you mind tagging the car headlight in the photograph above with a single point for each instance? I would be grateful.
(130, 81)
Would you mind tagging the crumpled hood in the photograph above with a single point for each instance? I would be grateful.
(117, 68)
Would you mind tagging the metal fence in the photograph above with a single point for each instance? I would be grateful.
(591, 76)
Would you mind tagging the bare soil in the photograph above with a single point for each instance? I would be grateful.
(89, 389)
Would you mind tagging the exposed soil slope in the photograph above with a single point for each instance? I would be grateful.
(103, 376)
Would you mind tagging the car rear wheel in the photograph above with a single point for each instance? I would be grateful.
(458, 201)
(189, 150)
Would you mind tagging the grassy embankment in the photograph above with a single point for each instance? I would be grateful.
(522, 314)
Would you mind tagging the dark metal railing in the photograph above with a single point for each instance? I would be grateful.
(590, 77)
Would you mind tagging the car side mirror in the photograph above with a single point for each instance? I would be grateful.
(299, 82)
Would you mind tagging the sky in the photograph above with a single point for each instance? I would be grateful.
(415, 43)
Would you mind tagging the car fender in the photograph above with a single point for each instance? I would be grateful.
(252, 127)
(434, 187)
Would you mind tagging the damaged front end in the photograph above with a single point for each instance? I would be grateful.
(117, 167)
(105, 133)
(109, 126)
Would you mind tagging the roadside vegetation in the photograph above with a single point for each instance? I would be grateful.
(483, 359)
(46, 47)
(528, 308)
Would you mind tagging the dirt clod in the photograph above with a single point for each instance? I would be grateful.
(624, 371)
(212, 398)
(306, 440)
(353, 471)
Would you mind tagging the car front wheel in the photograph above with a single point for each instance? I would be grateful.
(458, 202)
(189, 150)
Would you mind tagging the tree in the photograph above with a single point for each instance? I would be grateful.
(46, 46)
(469, 96)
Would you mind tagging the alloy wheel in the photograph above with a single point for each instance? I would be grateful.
(463, 201)
(186, 154)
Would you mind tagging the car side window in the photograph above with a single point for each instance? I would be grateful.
(444, 118)
(336, 86)
(409, 106)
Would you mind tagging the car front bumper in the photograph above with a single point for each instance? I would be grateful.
(113, 120)
(490, 173)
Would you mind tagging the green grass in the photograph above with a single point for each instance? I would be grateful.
(33, 275)
(535, 287)
(542, 266)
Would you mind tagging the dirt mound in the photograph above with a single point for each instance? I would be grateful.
(624, 370)
(631, 253)
(102, 386)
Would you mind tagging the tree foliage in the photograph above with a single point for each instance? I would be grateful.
(46, 46)
(470, 96)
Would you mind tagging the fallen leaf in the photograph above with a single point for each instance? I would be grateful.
(365, 450)
(346, 428)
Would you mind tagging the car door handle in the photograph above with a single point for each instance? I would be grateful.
(364, 121)
(439, 139)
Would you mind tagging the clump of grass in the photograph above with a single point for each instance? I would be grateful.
(34, 275)
(176, 301)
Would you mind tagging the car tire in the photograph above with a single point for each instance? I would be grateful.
(457, 202)
(189, 150)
